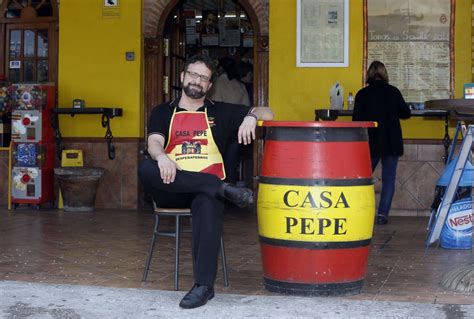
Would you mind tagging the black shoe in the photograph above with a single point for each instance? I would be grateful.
(198, 296)
(381, 220)
(240, 196)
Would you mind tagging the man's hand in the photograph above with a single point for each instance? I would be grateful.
(167, 168)
(246, 132)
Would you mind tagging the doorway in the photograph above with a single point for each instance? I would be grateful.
(168, 41)
(218, 29)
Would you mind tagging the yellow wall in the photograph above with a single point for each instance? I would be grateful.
(92, 66)
(472, 41)
(296, 92)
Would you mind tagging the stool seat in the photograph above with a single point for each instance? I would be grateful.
(177, 213)
(173, 211)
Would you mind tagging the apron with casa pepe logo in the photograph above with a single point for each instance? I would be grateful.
(191, 144)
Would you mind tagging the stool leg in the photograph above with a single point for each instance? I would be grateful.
(152, 247)
(224, 264)
(176, 255)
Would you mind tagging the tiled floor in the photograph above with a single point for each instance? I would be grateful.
(108, 248)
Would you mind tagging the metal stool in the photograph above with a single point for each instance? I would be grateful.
(177, 213)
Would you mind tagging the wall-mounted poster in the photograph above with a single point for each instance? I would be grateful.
(209, 28)
(229, 32)
(413, 39)
(322, 38)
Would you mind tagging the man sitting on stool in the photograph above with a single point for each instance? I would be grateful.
(186, 138)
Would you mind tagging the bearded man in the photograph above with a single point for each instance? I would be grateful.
(186, 140)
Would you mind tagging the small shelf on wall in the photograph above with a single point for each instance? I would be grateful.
(106, 112)
(332, 115)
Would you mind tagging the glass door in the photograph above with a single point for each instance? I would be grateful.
(28, 53)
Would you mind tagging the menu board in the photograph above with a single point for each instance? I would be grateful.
(413, 39)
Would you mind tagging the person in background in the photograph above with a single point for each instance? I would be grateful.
(210, 23)
(186, 138)
(246, 77)
(382, 103)
(228, 88)
(246, 151)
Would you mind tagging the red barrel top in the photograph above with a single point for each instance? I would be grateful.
(316, 124)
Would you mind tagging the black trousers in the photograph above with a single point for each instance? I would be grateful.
(234, 153)
(231, 161)
(197, 191)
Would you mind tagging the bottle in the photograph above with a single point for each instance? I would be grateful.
(350, 101)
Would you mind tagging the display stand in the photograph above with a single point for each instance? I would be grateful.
(32, 147)
(448, 198)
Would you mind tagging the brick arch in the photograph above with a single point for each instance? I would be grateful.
(154, 9)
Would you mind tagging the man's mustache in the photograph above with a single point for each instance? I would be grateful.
(196, 86)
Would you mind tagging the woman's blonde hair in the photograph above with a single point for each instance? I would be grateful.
(377, 71)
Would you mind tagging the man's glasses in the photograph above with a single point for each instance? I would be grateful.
(194, 75)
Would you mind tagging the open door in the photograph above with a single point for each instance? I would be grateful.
(174, 54)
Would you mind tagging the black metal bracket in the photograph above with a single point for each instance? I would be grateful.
(107, 114)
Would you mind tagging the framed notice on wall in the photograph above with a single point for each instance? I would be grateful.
(414, 39)
(322, 29)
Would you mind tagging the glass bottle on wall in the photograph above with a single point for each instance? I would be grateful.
(350, 101)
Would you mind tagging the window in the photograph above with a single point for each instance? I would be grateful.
(30, 36)
(41, 8)
(28, 55)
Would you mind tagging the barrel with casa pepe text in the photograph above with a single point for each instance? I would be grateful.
(316, 207)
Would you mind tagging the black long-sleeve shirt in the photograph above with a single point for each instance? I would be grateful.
(382, 103)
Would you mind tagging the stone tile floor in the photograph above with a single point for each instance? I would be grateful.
(108, 248)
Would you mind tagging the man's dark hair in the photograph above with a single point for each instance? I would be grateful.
(200, 58)
(244, 68)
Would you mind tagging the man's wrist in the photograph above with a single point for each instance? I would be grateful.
(158, 156)
(252, 115)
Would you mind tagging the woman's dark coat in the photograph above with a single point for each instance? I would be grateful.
(382, 103)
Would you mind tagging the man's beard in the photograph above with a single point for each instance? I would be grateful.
(193, 92)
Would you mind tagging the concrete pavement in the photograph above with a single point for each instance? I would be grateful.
(38, 300)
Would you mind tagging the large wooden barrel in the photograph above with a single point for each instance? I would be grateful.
(316, 207)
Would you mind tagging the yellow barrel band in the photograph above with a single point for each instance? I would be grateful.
(316, 213)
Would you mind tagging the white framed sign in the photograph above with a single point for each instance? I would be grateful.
(322, 38)
(15, 64)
